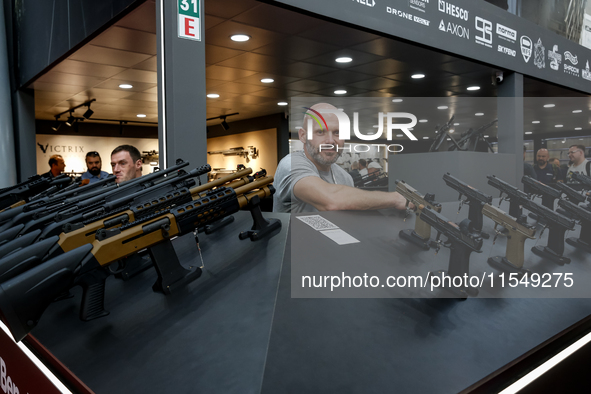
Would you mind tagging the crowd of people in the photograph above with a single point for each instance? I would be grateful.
(548, 169)
(126, 164)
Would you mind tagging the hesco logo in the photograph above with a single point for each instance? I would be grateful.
(345, 126)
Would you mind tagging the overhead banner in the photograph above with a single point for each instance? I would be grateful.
(475, 29)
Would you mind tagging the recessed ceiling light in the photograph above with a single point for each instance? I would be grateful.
(563, 141)
(425, 138)
(341, 91)
(125, 86)
(558, 125)
(451, 131)
(399, 135)
(443, 107)
(549, 105)
(240, 37)
(344, 59)
(456, 124)
(576, 111)
(528, 132)
(397, 100)
(479, 114)
(578, 128)
(423, 121)
(535, 121)
(580, 139)
(213, 95)
(267, 80)
(282, 103)
(141, 115)
(417, 76)
(486, 136)
(473, 88)
(449, 139)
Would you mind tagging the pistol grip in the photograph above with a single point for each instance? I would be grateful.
(93, 294)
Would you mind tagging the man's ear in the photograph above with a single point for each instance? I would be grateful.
(302, 135)
(138, 164)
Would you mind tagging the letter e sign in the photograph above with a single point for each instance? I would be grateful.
(190, 19)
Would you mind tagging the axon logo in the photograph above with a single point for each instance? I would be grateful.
(318, 117)
(485, 28)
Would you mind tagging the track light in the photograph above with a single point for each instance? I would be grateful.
(56, 126)
(224, 124)
(88, 113)
(71, 120)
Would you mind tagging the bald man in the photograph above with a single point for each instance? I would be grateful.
(310, 181)
(546, 172)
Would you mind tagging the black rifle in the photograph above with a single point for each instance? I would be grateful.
(461, 241)
(514, 195)
(474, 198)
(24, 297)
(43, 217)
(25, 190)
(548, 194)
(471, 138)
(584, 180)
(583, 216)
(60, 197)
(442, 132)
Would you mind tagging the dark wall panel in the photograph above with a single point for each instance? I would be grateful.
(48, 30)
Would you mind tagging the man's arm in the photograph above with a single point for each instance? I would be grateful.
(325, 196)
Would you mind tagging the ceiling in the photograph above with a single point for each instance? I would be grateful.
(297, 51)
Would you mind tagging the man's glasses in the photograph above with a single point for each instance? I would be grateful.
(93, 153)
(573, 152)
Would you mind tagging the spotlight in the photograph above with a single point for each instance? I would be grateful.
(70, 120)
(225, 124)
(56, 126)
(88, 113)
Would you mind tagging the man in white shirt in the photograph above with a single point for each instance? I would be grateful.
(576, 154)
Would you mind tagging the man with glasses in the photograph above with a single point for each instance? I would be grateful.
(94, 163)
(576, 154)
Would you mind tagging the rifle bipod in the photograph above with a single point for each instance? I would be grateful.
(261, 226)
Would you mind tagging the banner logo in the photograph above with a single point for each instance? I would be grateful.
(506, 33)
(571, 58)
(526, 47)
(455, 29)
(345, 124)
(555, 58)
(586, 72)
(539, 56)
(485, 28)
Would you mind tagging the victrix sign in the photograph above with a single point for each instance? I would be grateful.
(316, 115)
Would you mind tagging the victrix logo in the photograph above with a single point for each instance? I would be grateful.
(345, 124)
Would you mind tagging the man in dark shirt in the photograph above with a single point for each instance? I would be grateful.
(546, 173)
